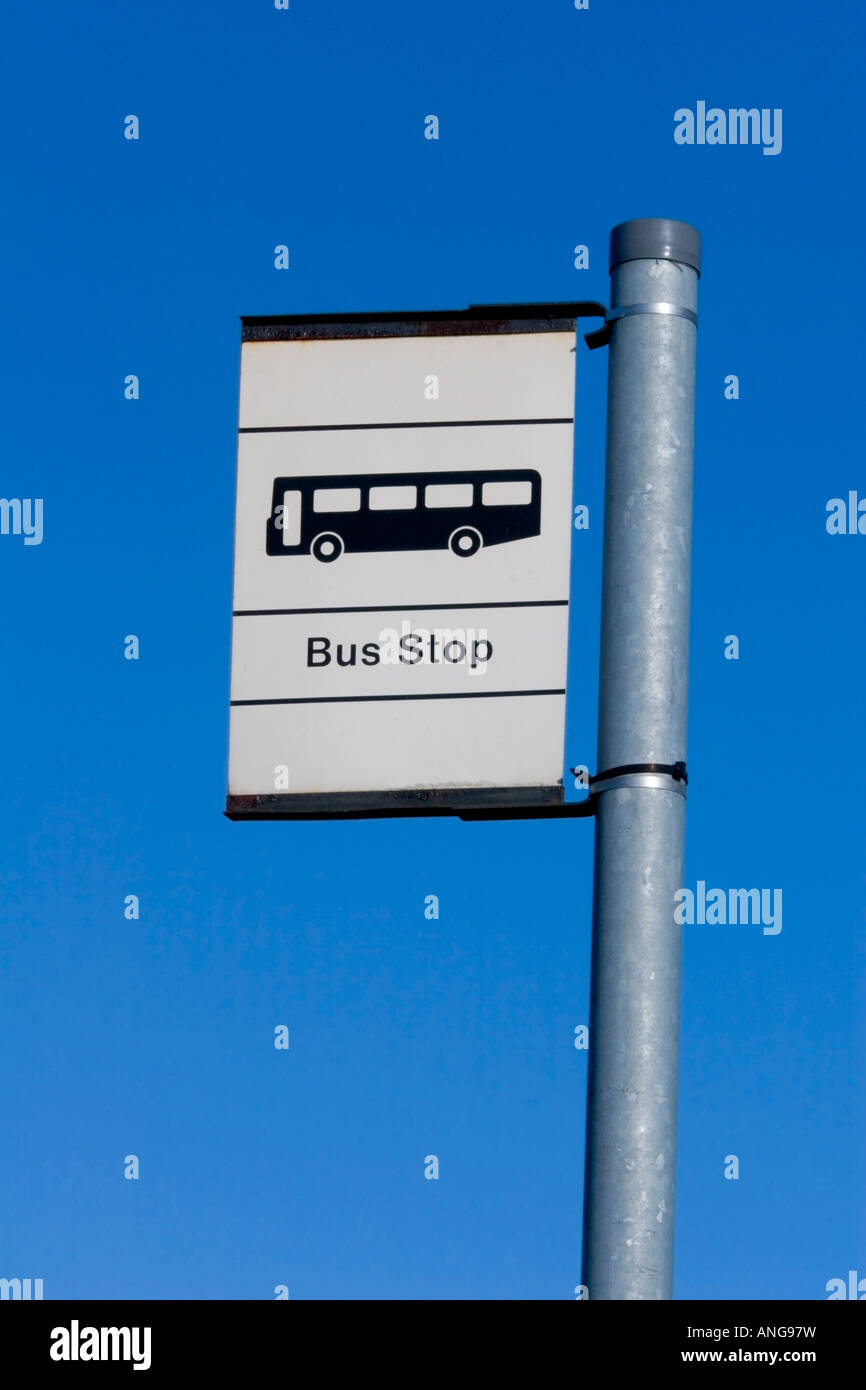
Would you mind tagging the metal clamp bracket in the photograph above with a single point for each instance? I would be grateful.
(601, 336)
(661, 776)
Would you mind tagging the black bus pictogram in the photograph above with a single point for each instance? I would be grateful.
(460, 511)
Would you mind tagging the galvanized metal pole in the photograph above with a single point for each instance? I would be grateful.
(640, 816)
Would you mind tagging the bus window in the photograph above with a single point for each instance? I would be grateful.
(448, 495)
(291, 522)
(392, 499)
(337, 499)
(516, 494)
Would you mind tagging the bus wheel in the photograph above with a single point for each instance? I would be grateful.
(465, 541)
(327, 547)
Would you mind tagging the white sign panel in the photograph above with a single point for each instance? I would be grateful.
(402, 552)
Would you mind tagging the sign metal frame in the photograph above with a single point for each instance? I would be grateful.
(472, 802)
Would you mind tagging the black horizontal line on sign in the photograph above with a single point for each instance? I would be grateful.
(357, 699)
(402, 425)
(400, 608)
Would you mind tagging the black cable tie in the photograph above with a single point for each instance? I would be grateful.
(599, 337)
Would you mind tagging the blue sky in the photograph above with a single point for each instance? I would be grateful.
(409, 1037)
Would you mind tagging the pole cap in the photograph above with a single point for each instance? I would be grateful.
(655, 239)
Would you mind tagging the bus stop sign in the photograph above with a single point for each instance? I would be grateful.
(402, 550)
